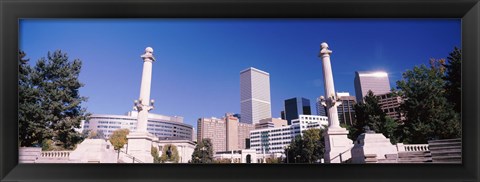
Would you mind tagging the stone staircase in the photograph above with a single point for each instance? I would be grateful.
(446, 151)
(414, 157)
(28, 154)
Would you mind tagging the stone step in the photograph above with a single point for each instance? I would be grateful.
(447, 144)
(27, 157)
(29, 149)
(445, 148)
(391, 156)
(447, 152)
(29, 162)
(413, 154)
(447, 157)
(445, 140)
(413, 161)
(448, 162)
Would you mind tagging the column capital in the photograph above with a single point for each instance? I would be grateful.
(324, 51)
(148, 55)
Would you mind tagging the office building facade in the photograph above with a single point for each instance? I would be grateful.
(226, 133)
(214, 129)
(346, 111)
(377, 82)
(321, 110)
(296, 106)
(159, 125)
(390, 105)
(254, 95)
(271, 123)
(276, 139)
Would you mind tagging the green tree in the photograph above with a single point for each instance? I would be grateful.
(203, 152)
(31, 131)
(453, 78)
(169, 154)
(57, 102)
(428, 114)
(369, 113)
(118, 139)
(307, 149)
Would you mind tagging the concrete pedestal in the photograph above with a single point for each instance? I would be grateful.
(337, 145)
(140, 144)
(372, 143)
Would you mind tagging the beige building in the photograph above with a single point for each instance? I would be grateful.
(226, 133)
(243, 134)
(213, 128)
(271, 123)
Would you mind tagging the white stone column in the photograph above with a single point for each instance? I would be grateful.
(140, 141)
(331, 101)
(143, 104)
(337, 144)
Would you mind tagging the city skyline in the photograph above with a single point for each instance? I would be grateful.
(196, 74)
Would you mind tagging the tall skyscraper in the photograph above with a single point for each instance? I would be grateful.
(377, 82)
(296, 106)
(254, 95)
(346, 112)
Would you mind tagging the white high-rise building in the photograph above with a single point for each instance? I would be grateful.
(377, 81)
(254, 95)
(269, 140)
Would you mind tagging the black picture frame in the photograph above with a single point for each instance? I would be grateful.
(12, 11)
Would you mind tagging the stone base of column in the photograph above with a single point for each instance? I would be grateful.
(372, 143)
(337, 145)
(140, 144)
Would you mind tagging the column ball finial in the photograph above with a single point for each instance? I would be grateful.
(324, 45)
(149, 49)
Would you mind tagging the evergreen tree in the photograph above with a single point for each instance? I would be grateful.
(453, 78)
(428, 114)
(57, 101)
(203, 152)
(31, 131)
(308, 148)
(369, 113)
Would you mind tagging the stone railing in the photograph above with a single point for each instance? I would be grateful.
(124, 155)
(344, 156)
(412, 147)
(55, 154)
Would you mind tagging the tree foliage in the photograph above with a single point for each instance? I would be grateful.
(119, 138)
(453, 79)
(428, 113)
(169, 154)
(306, 149)
(31, 132)
(155, 155)
(50, 101)
(203, 152)
(369, 113)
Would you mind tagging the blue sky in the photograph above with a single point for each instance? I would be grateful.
(199, 60)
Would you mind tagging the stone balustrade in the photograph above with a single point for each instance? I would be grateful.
(55, 154)
(412, 147)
